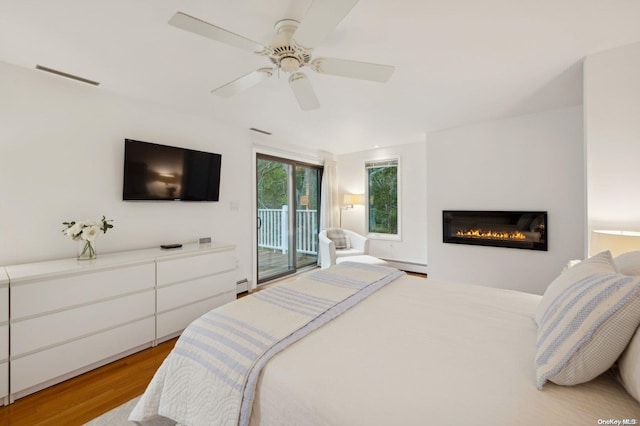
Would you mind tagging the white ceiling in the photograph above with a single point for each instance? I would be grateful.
(457, 61)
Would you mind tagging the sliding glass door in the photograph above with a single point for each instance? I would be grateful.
(288, 198)
(274, 190)
(307, 214)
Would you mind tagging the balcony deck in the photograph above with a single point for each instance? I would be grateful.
(274, 262)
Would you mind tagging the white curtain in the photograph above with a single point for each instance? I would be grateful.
(329, 196)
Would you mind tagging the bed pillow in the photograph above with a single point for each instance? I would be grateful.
(628, 263)
(573, 262)
(348, 242)
(629, 367)
(601, 262)
(586, 328)
(338, 237)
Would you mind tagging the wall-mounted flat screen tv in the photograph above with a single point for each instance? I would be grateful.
(161, 172)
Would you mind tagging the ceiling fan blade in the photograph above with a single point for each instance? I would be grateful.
(301, 87)
(243, 83)
(321, 18)
(205, 29)
(353, 69)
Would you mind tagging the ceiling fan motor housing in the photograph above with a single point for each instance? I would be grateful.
(283, 51)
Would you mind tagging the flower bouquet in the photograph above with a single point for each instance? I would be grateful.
(86, 232)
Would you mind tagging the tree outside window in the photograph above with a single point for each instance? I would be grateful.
(272, 185)
(383, 200)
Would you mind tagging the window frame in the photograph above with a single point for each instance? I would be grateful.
(380, 235)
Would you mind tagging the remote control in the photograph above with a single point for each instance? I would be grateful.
(170, 246)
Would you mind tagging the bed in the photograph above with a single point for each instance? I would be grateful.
(413, 351)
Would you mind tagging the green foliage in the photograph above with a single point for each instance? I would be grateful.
(272, 184)
(383, 200)
(105, 224)
(307, 187)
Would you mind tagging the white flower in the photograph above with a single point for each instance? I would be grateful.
(74, 231)
(90, 233)
(86, 230)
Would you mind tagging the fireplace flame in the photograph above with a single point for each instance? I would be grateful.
(491, 235)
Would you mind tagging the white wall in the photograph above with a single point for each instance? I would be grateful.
(612, 135)
(533, 162)
(412, 248)
(61, 158)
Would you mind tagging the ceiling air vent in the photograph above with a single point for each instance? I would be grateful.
(264, 132)
(64, 74)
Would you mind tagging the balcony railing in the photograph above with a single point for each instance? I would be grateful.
(273, 228)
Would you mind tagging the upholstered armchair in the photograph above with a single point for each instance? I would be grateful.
(348, 244)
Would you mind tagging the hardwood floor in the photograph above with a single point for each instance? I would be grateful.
(81, 399)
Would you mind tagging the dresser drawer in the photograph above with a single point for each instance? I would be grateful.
(184, 293)
(4, 304)
(4, 343)
(4, 380)
(175, 321)
(47, 330)
(187, 268)
(32, 298)
(52, 363)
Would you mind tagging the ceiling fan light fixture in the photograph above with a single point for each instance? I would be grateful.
(289, 64)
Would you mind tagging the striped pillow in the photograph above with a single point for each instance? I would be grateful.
(601, 262)
(338, 237)
(586, 327)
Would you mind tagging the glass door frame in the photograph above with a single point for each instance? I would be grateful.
(292, 203)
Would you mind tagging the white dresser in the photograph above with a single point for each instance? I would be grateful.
(4, 338)
(191, 285)
(70, 316)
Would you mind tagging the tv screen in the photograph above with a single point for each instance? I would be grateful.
(161, 172)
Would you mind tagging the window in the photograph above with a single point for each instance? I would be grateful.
(383, 218)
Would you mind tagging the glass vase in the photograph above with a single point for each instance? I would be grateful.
(87, 250)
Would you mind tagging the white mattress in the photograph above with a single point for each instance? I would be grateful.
(422, 352)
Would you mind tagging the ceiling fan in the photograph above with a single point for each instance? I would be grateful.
(290, 50)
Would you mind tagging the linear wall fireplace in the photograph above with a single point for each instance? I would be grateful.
(513, 229)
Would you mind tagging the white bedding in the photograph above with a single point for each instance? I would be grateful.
(421, 352)
(211, 375)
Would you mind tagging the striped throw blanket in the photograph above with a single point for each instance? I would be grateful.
(210, 376)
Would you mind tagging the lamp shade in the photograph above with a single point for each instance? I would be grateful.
(353, 199)
(617, 242)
